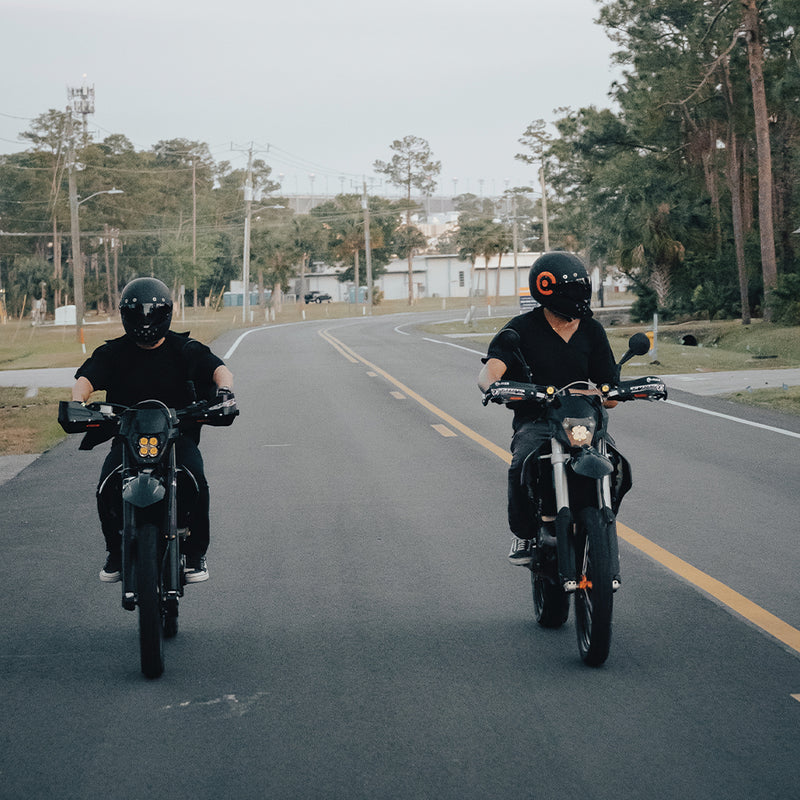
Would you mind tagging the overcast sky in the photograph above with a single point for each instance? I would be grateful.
(326, 85)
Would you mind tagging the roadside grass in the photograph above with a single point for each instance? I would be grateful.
(29, 424)
(786, 401)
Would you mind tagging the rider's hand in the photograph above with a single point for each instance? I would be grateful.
(491, 395)
(229, 410)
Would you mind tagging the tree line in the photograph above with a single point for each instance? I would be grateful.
(689, 186)
(692, 185)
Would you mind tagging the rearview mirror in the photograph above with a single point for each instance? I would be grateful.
(638, 344)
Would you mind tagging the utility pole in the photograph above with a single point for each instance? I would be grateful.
(515, 240)
(248, 211)
(367, 247)
(544, 211)
(194, 229)
(82, 102)
(75, 234)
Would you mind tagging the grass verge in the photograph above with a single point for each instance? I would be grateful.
(29, 424)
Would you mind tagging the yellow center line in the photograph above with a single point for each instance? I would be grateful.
(738, 603)
(444, 416)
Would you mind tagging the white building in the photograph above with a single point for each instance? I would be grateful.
(437, 275)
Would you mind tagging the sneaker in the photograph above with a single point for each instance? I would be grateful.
(112, 571)
(196, 569)
(521, 552)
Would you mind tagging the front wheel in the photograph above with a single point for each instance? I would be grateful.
(148, 592)
(594, 598)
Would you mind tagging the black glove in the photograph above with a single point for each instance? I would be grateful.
(225, 408)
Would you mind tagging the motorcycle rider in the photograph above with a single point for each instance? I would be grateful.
(561, 343)
(151, 362)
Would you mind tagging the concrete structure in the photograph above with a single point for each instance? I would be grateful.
(436, 275)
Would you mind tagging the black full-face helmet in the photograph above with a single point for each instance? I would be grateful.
(559, 282)
(146, 310)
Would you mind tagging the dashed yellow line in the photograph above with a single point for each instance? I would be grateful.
(444, 430)
(738, 603)
(444, 416)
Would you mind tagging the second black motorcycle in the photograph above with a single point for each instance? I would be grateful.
(576, 483)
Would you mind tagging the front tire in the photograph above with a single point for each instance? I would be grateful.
(594, 598)
(148, 591)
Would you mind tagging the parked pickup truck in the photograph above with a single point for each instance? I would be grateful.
(317, 297)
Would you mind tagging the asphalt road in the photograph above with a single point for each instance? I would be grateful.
(362, 635)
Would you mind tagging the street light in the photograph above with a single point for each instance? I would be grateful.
(112, 190)
(77, 262)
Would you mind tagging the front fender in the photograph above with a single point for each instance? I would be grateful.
(143, 490)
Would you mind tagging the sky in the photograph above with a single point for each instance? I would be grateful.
(320, 88)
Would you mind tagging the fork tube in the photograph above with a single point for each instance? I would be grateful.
(604, 484)
(173, 555)
(128, 523)
(558, 459)
(564, 543)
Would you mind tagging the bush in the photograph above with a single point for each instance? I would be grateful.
(785, 300)
(645, 305)
(716, 301)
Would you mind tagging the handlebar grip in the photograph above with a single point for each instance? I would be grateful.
(649, 388)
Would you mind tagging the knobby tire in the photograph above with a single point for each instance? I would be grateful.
(148, 591)
(594, 601)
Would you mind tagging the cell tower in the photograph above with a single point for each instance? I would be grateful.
(82, 104)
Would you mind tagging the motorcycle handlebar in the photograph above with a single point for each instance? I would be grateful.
(77, 417)
(649, 388)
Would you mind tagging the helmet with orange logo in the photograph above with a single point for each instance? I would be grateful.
(559, 282)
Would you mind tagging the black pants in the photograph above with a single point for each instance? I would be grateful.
(528, 437)
(109, 502)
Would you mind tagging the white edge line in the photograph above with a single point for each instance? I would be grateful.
(736, 419)
(232, 348)
(452, 344)
(671, 402)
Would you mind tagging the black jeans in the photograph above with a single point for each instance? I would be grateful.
(528, 437)
(109, 502)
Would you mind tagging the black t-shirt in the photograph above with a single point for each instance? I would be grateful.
(130, 374)
(553, 361)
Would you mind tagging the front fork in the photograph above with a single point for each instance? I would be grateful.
(565, 541)
(167, 521)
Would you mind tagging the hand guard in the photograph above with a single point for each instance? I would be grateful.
(224, 409)
(650, 388)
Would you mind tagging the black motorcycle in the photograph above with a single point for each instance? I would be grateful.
(576, 484)
(154, 493)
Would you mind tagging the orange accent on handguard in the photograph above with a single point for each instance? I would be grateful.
(585, 583)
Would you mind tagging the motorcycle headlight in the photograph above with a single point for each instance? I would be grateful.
(579, 431)
(149, 446)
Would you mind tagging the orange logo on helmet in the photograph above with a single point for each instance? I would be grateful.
(544, 282)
